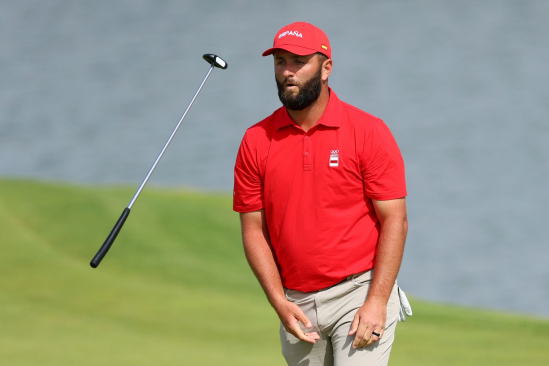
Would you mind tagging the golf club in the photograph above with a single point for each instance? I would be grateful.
(214, 61)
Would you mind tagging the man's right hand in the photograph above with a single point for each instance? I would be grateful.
(255, 236)
(290, 315)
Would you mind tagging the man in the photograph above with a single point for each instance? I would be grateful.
(320, 189)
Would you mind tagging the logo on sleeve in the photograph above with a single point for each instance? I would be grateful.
(334, 158)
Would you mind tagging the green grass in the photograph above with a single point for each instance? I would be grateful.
(175, 289)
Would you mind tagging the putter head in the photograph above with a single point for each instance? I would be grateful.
(215, 60)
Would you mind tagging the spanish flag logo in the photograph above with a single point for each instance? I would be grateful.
(324, 46)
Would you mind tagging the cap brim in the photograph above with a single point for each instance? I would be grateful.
(298, 50)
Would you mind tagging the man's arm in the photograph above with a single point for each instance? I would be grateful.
(372, 316)
(257, 248)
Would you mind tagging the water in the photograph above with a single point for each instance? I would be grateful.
(89, 92)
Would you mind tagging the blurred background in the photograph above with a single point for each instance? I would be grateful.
(90, 90)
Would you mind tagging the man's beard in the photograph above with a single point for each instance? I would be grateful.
(308, 93)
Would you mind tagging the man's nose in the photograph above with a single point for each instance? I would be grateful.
(288, 71)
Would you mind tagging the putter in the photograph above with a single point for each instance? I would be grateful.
(214, 61)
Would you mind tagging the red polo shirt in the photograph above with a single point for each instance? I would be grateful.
(317, 188)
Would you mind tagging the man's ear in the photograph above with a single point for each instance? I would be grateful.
(326, 69)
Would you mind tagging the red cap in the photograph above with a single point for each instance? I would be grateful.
(302, 39)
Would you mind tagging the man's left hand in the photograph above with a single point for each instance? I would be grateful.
(369, 318)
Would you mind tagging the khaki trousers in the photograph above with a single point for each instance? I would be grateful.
(331, 311)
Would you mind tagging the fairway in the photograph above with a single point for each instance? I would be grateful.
(175, 289)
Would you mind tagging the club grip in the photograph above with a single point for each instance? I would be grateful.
(110, 239)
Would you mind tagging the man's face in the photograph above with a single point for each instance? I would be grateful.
(298, 79)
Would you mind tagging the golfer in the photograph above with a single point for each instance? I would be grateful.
(320, 188)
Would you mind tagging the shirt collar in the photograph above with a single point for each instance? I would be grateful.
(331, 116)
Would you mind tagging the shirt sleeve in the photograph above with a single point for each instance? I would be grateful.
(383, 166)
(248, 185)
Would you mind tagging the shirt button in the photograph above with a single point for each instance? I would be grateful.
(306, 153)
(306, 137)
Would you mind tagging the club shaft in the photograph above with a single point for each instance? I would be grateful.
(168, 142)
